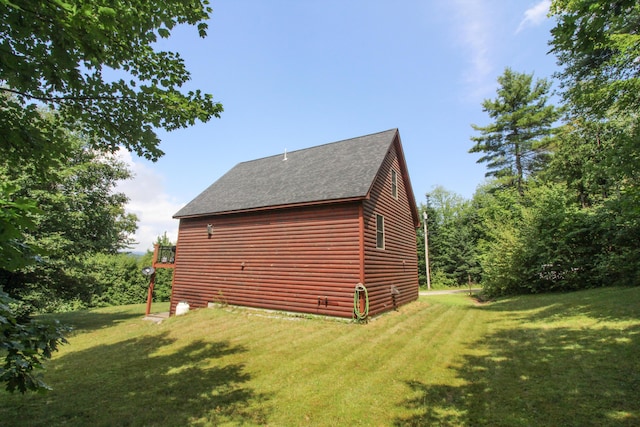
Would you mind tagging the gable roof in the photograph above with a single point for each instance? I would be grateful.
(335, 171)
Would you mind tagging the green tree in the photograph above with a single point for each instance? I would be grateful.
(97, 66)
(499, 246)
(598, 45)
(114, 279)
(452, 239)
(94, 69)
(18, 212)
(514, 146)
(25, 343)
(16, 216)
(79, 214)
(545, 241)
(577, 223)
(580, 152)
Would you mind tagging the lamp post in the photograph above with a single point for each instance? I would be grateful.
(426, 246)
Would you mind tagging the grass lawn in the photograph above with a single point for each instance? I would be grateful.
(550, 360)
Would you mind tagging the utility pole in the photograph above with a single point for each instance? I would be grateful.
(426, 245)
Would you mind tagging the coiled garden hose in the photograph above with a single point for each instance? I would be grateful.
(360, 289)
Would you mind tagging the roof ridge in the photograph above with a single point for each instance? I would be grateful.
(317, 146)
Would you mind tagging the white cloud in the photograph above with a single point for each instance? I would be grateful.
(148, 200)
(535, 15)
(473, 27)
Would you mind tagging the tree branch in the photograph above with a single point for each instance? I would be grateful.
(60, 99)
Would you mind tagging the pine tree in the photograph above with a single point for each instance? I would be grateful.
(514, 145)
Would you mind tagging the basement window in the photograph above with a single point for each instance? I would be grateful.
(379, 231)
(394, 184)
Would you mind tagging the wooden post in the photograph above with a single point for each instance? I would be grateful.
(152, 279)
(150, 293)
(426, 247)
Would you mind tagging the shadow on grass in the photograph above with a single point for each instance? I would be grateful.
(606, 304)
(90, 320)
(541, 374)
(145, 381)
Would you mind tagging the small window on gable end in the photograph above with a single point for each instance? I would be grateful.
(394, 184)
(379, 231)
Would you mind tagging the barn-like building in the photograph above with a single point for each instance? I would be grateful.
(301, 230)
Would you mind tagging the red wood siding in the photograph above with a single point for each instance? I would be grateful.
(396, 264)
(282, 259)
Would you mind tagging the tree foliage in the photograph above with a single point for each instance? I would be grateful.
(452, 239)
(514, 145)
(78, 80)
(78, 214)
(561, 210)
(545, 241)
(598, 45)
(525, 248)
(115, 279)
(577, 223)
(96, 65)
(25, 343)
(16, 216)
(582, 159)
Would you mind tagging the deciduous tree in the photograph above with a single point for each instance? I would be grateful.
(78, 214)
(95, 69)
(598, 45)
(25, 343)
(97, 65)
(452, 239)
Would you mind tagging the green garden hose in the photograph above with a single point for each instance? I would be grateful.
(356, 302)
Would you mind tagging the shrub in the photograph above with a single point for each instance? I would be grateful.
(25, 343)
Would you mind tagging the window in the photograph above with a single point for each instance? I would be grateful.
(379, 231)
(394, 184)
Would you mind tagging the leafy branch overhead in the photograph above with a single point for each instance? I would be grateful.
(98, 68)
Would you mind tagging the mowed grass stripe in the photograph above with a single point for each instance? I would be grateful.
(318, 348)
(338, 343)
(402, 362)
(365, 368)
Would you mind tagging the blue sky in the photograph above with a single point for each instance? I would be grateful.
(294, 74)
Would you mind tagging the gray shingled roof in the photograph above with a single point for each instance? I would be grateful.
(339, 170)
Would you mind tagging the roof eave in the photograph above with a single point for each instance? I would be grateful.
(275, 207)
(407, 181)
